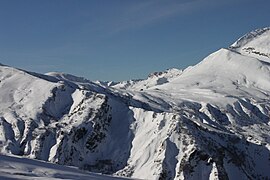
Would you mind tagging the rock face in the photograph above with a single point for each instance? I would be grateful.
(209, 121)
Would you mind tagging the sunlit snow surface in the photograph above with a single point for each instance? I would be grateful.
(12, 167)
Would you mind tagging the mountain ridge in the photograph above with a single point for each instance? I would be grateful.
(254, 44)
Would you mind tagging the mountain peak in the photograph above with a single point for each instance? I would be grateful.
(251, 36)
(255, 44)
(154, 79)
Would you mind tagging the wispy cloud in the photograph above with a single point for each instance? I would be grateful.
(139, 14)
(144, 13)
(151, 12)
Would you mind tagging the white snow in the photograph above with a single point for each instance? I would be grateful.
(14, 167)
(255, 44)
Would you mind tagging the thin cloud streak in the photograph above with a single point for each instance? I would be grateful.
(152, 12)
(147, 13)
(140, 14)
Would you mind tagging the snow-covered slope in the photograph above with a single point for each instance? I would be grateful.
(209, 121)
(12, 167)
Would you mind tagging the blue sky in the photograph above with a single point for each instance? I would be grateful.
(121, 39)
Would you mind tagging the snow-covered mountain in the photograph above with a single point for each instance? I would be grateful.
(209, 121)
(154, 79)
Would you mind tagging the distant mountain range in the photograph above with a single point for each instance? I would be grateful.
(209, 121)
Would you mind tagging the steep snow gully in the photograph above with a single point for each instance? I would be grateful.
(209, 121)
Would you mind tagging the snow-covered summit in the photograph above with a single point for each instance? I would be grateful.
(217, 79)
(252, 36)
(154, 79)
(255, 44)
(226, 63)
(224, 74)
(68, 77)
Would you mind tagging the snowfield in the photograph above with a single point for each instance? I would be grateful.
(12, 167)
(209, 121)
